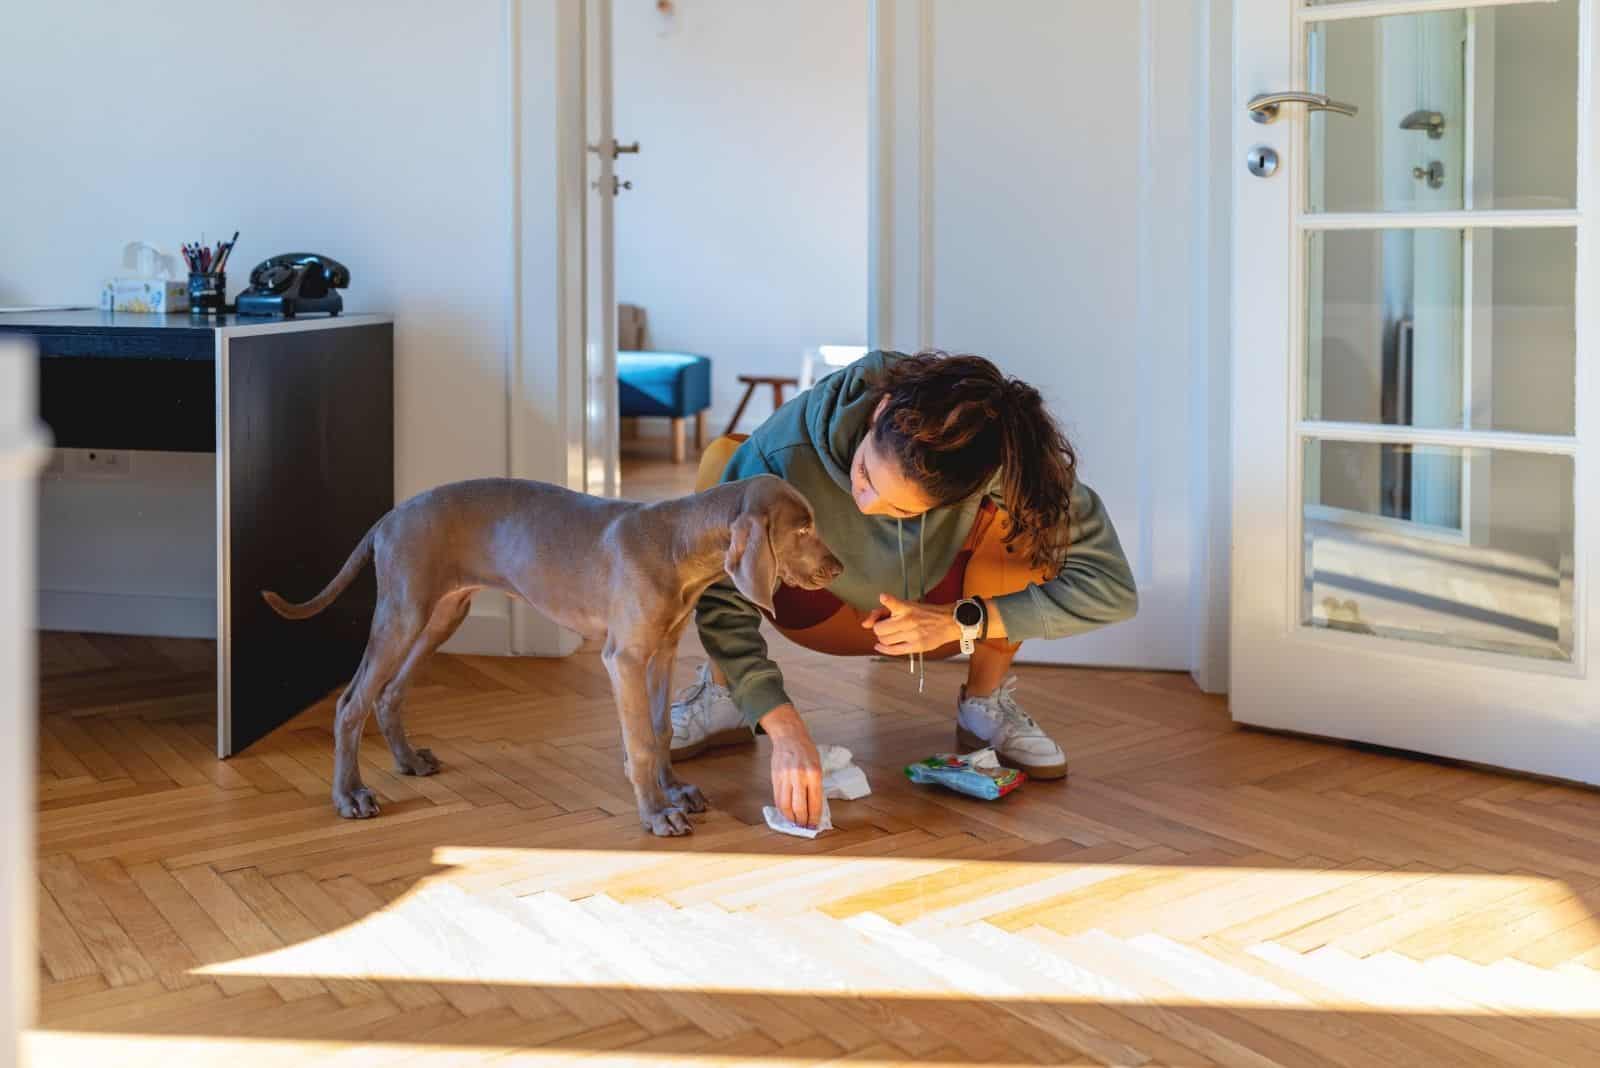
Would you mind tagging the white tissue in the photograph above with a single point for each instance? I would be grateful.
(983, 759)
(777, 822)
(141, 259)
(841, 780)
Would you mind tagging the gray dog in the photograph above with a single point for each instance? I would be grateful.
(621, 570)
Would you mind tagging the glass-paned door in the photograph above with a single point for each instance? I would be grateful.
(1412, 343)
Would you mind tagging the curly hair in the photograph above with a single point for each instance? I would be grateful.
(953, 421)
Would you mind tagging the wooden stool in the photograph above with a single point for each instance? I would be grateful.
(750, 383)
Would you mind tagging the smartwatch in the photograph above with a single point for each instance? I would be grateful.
(969, 617)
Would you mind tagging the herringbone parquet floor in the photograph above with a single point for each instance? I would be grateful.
(1195, 894)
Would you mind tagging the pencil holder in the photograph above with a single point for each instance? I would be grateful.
(207, 291)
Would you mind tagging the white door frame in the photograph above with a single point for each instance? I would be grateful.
(1484, 707)
(547, 361)
(24, 446)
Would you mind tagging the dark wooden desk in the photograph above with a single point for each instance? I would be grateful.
(300, 415)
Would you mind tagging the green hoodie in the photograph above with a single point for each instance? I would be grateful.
(810, 443)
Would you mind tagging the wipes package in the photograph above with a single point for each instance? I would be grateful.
(841, 781)
(976, 774)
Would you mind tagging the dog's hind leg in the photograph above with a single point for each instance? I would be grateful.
(446, 619)
(395, 627)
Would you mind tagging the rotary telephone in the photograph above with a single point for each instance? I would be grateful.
(293, 283)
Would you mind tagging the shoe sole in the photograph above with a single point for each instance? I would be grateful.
(720, 740)
(969, 742)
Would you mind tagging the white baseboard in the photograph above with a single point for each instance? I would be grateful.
(152, 615)
(160, 616)
(481, 634)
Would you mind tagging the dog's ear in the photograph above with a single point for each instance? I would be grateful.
(751, 561)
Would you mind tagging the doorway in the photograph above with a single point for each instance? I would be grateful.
(741, 221)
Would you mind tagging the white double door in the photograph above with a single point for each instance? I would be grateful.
(1414, 325)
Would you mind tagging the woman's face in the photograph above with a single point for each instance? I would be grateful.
(878, 484)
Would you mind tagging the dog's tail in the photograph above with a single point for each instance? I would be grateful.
(352, 567)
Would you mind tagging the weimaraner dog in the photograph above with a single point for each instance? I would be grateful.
(621, 570)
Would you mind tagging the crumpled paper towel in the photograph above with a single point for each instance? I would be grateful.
(841, 781)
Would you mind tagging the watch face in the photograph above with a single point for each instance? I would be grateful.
(968, 614)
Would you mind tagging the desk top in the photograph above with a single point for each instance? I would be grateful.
(94, 320)
(143, 335)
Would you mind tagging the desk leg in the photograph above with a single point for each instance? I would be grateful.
(305, 465)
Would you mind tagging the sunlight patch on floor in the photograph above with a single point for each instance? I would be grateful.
(722, 923)
(65, 1049)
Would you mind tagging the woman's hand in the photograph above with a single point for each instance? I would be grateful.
(796, 767)
(905, 627)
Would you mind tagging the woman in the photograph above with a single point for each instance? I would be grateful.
(946, 489)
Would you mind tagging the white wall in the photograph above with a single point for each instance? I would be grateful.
(1044, 175)
(744, 236)
(378, 132)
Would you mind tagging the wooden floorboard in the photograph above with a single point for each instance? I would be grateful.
(1194, 894)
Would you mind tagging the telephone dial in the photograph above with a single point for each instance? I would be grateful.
(293, 283)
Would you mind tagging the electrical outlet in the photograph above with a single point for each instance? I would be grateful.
(99, 463)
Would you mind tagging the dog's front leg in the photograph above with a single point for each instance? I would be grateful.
(684, 795)
(628, 666)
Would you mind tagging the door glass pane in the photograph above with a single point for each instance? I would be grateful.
(1458, 109)
(1467, 548)
(1398, 333)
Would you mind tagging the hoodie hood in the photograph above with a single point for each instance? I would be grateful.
(838, 413)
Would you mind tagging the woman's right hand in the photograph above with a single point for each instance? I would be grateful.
(796, 767)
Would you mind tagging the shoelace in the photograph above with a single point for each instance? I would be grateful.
(681, 703)
(1005, 700)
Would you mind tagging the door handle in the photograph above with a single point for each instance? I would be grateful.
(1264, 106)
(617, 149)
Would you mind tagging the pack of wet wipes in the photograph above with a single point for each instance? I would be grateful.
(977, 774)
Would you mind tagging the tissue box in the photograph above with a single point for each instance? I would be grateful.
(145, 295)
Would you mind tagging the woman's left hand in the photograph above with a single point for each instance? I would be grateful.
(904, 627)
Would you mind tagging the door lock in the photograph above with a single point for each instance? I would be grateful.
(1433, 173)
(1262, 161)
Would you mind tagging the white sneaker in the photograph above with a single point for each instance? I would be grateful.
(705, 717)
(996, 722)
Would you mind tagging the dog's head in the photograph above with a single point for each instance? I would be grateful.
(774, 539)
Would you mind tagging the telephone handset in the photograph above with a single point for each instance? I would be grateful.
(295, 282)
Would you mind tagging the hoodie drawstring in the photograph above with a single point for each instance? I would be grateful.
(916, 663)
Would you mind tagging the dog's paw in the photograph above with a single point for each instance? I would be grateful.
(423, 762)
(358, 804)
(669, 822)
(688, 796)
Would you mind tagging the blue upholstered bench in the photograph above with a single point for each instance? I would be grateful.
(671, 385)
